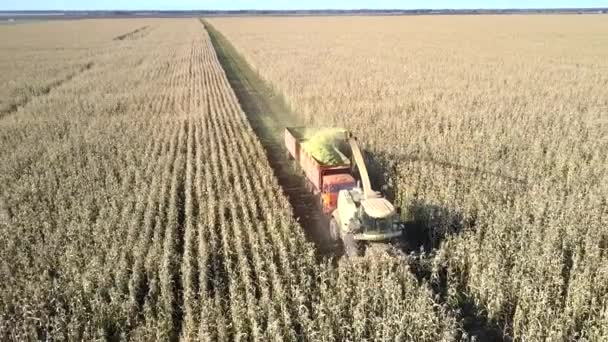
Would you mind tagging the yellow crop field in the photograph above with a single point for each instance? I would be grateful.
(137, 203)
(490, 131)
(145, 193)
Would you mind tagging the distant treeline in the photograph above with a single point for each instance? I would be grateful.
(120, 14)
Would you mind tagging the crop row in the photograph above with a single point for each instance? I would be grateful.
(138, 204)
(492, 141)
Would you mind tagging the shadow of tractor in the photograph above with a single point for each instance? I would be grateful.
(427, 226)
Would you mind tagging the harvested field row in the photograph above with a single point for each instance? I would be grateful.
(135, 34)
(44, 90)
(137, 203)
(489, 130)
(32, 62)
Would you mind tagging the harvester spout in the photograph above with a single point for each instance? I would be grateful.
(358, 158)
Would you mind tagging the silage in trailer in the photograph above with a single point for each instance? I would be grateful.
(323, 145)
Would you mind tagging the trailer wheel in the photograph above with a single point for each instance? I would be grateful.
(334, 233)
(351, 248)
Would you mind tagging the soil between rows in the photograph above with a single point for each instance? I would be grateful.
(268, 115)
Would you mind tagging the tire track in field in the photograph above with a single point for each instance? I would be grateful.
(278, 234)
(189, 265)
(135, 34)
(186, 280)
(280, 266)
(139, 282)
(5, 214)
(170, 281)
(204, 181)
(242, 270)
(212, 278)
(142, 201)
(260, 105)
(179, 281)
(215, 279)
(268, 116)
(14, 107)
(224, 286)
(128, 187)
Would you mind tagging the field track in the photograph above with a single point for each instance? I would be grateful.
(145, 193)
(176, 234)
(269, 115)
(138, 203)
(491, 141)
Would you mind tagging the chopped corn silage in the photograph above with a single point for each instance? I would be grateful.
(322, 145)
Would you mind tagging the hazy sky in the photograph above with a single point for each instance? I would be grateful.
(279, 4)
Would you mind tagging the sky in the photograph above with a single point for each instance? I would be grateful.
(12, 5)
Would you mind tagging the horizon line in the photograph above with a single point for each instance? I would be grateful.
(309, 9)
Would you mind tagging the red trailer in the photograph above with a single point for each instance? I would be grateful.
(326, 180)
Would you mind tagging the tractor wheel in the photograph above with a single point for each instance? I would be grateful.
(334, 233)
(351, 247)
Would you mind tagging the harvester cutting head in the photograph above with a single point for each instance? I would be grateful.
(378, 207)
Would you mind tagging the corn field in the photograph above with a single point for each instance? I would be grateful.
(137, 204)
(492, 131)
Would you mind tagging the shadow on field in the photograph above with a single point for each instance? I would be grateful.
(427, 225)
(268, 115)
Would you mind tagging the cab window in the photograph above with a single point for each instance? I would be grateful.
(373, 224)
(368, 222)
(338, 187)
(384, 224)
